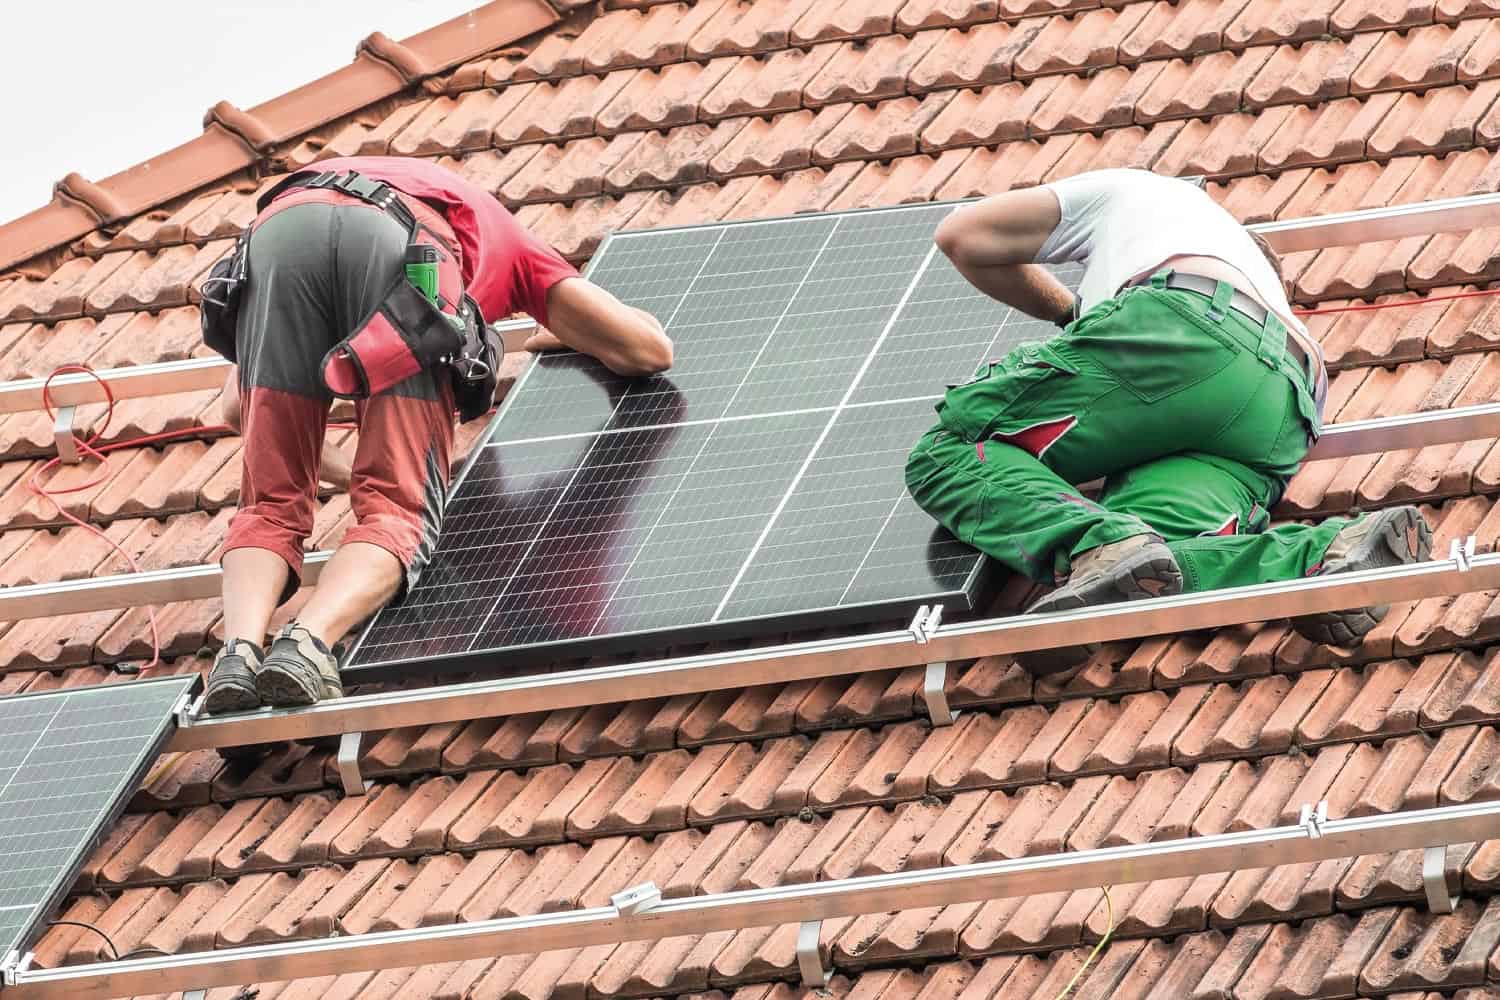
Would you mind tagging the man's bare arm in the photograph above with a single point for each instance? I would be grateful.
(994, 242)
(585, 317)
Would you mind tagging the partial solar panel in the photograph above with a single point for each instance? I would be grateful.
(69, 761)
(757, 486)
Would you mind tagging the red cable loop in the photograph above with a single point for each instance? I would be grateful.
(92, 449)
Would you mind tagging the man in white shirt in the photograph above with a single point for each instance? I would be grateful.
(1182, 378)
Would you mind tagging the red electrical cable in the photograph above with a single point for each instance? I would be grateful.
(99, 452)
(1377, 306)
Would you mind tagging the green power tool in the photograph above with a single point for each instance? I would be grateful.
(422, 269)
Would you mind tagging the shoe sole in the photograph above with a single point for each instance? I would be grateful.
(231, 695)
(231, 687)
(1401, 537)
(285, 686)
(1151, 572)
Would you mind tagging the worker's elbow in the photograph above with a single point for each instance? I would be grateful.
(648, 356)
(955, 237)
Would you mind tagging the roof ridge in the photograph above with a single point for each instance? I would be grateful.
(233, 139)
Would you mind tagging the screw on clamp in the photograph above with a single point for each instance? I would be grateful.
(636, 899)
(924, 624)
(1313, 818)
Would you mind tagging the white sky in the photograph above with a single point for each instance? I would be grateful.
(97, 86)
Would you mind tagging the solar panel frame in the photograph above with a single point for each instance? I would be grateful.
(958, 600)
(172, 694)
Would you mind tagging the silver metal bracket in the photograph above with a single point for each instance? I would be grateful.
(188, 709)
(195, 994)
(636, 899)
(1313, 817)
(1440, 899)
(935, 694)
(348, 759)
(62, 436)
(12, 965)
(809, 957)
(924, 624)
(1462, 554)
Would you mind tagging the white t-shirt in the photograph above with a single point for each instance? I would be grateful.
(1124, 223)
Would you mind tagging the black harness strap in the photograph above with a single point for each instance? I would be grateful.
(350, 182)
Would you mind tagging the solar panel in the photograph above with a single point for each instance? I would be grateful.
(756, 486)
(69, 760)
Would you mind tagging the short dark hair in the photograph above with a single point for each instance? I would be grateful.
(1268, 253)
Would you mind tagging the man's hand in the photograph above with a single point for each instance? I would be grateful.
(543, 340)
(585, 317)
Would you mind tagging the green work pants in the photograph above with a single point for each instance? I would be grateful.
(1195, 418)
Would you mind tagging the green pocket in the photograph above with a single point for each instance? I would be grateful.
(972, 409)
(1153, 346)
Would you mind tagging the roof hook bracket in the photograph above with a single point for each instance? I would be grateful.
(935, 693)
(348, 760)
(809, 956)
(63, 436)
(636, 899)
(1313, 818)
(1462, 554)
(924, 624)
(1440, 898)
(200, 994)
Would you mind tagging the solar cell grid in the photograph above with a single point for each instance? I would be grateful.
(71, 758)
(760, 481)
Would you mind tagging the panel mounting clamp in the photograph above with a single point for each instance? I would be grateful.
(348, 760)
(1313, 817)
(1462, 553)
(1440, 898)
(12, 965)
(63, 437)
(924, 624)
(809, 957)
(636, 899)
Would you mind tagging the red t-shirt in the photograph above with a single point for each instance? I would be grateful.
(505, 268)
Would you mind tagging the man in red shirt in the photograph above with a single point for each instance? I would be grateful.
(321, 263)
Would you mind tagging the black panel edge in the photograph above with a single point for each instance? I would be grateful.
(654, 642)
(44, 911)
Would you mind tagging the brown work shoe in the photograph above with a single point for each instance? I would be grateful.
(298, 670)
(1128, 570)
(1393, 537)
(231, 682)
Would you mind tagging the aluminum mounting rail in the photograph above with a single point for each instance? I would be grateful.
(1310, 233)
(933, 646)
(640, 914)
(129, 590)
(137, 381)
(1394, 222)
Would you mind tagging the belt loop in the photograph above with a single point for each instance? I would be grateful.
(1219, 307)
(1273, 336)
(1160, 278)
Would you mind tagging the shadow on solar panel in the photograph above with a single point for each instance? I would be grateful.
(756, 489)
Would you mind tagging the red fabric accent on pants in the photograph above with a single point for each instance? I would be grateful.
(401, 439)
(1037, 438)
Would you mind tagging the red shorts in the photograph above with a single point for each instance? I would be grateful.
(320, 262)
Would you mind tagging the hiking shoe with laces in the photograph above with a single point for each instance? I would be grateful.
(231, 682)
(298, 670)
(1393, 537)
(1128, 570)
